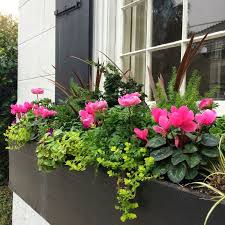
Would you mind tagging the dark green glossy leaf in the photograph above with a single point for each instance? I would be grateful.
(190, 148)
(177, 157)
(210, 152)
(177, 173)
(193, 137)
(162, 153)
(203, 161)
(161, 168)
(193, 160)
(210, 140)
(191, 173)
(157, 142)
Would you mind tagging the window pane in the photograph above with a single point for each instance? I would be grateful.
(206, 16)
(163, 62)
(125, 2)
(135, 28)
(210, 62)
(167, 21)
(137, 66)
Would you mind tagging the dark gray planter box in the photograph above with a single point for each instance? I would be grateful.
(87, 198)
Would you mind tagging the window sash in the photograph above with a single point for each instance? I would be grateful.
(150, 49)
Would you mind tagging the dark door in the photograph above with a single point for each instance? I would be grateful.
(73, 38)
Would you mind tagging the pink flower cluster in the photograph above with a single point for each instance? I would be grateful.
(41, 111)
(98, 106)
(182, 118)
(87, 119)
(130, 99)
(87, 116)
(19, 109)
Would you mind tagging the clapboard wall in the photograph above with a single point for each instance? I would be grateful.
(36, 47)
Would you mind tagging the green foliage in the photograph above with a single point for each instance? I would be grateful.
(18, 134)
(65, 119)
(75, 148)
(190, 98)
(215, 182)
(5, 206)
(115, 86)
(50, 152)
(112, 85)
(8, 81)
(131, 165)
(218, 130)
(8, 70)
(78, 96)
(185, 162)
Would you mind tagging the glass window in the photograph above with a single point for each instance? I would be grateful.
(167, 21)
(125, 2)
(155, 31)
(135, 65)
(134, 28)
(210, 63)
(162, 63)
(206, 16)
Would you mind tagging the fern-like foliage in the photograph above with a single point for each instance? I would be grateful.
(189, 98)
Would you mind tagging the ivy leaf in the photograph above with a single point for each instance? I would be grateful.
(210, 140)
(191, 173)
(177, 173)
(210, 152)
(162, 168)
(190, 148)
(193, 160)
(162, 153)
(157, 142)
(177, 157)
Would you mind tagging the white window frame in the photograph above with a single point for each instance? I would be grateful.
(149, 48)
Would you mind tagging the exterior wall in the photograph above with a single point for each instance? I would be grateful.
(36, 47)
(36, 44)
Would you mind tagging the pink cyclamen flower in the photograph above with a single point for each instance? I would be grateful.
(164, 126)
(130, 99)
(183, 118)
(28, 106)
(36, 110)
(86, 118)
(206, 103)
(141, 134)
(98, 106)
(37, 91)
(206, 118)
(41, 111)
(157, 113)
(21, 109)
(15, 108)
(45, 113)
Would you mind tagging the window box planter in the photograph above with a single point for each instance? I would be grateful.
(88, 198)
